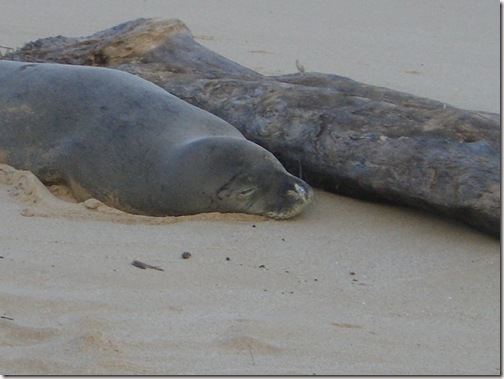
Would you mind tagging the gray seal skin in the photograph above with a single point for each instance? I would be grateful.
(132, 145)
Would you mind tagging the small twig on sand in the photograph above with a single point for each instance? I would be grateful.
(251, 354)
(145, 265)
(6, 48)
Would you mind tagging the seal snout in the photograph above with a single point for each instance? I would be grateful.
(296, 198)
(302, 193)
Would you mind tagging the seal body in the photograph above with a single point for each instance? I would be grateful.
(132, 145)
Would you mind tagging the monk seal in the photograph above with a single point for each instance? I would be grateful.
(123, 140)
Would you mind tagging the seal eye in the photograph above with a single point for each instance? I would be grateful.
(246, 193)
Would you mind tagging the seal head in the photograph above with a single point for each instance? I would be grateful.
(229, 174)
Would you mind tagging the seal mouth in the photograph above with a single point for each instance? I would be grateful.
(298, 198)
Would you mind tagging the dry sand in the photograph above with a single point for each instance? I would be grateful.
(348, 287)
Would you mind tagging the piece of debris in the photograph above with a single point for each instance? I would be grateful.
(300, 67)
(7, 318)
(145, 265)
(186, 255)
(228, 259)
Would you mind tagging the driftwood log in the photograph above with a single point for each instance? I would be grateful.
(340, 135)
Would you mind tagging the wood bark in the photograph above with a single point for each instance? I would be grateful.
(340, 135)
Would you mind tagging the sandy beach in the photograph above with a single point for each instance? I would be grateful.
(347, 288)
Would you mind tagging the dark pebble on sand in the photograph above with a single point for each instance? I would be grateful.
(228, 259)
(186, 255)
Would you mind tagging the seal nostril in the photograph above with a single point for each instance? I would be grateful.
(302, 192)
